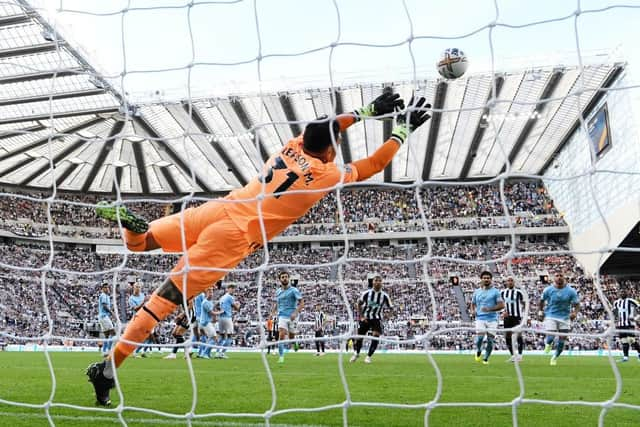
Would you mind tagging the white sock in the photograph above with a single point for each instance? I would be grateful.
(108, 370)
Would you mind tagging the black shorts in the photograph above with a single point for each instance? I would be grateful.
(182, 321)
(626, 334)
(319, 333)
(365, 326)
(511, 321)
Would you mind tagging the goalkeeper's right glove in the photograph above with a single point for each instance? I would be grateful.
(386, 103)
(416, 118)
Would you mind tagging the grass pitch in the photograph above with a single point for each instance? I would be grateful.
(240, 384)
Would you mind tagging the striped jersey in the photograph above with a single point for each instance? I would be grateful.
(318, 320)
(514, 300)
(372, 303)
(625, 310)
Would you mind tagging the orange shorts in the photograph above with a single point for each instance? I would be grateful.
(211, 240)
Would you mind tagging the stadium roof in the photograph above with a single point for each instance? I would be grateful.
(56, 109)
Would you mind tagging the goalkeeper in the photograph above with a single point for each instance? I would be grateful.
(221, 233)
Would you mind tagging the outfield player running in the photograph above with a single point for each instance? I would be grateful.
(225, 321)
(318, 323)
(104, 319)
(486, 303)
(222, 234)
(625, 309)
(135, 303)
(515, 302)
(290, 303)
(370, 306)
(555, 310)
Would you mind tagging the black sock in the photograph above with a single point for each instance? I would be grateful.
(520, 344)
(317, 346)
(179, 340)
(372, 347)
(509, 342)
(625, 349)
(358, 345)
(322, 345)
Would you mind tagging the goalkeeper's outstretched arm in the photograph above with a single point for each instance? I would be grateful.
(405, 123)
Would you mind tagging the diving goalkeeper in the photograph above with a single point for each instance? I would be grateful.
(223, 232)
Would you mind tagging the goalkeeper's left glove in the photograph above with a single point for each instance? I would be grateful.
(416, 117)
(386, 103)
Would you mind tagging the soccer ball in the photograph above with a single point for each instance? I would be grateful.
(453, 63)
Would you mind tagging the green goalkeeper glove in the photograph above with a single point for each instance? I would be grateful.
(417, 116)
(386, 103)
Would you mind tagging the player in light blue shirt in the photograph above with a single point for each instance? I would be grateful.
(289, 304)
(135, 302)
(555, 310)
(104, 318)
(205, 323)
(198, 335)
(486, 304)
(227, 304)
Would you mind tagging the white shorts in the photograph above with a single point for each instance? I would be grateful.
(105, 324)
(486, 326)
(209, 330)
(556, 325)
(287, 324)
(225, 325)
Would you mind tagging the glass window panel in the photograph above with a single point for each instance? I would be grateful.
(57, 106)
(40, 62)
(44, 87)
(20, 174)
(449, 118)
(20, 35)
(564, 118)
(475, 99)
(276, 112)
(261, 121)
(76, 178)
(231, 145)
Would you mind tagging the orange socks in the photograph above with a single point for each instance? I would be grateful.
(140, 327)
(136, 242)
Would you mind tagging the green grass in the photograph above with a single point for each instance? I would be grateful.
(240, 384)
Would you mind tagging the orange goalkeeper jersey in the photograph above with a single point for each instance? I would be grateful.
(285, 177)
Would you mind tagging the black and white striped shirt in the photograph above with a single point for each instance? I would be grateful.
(514, 301)
(372, 303)
(318, 320)
(626, 309)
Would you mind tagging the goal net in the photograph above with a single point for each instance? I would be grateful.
(528, 167)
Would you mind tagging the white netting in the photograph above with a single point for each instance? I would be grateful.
(422, 267)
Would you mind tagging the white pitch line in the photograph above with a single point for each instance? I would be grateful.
(154, 421)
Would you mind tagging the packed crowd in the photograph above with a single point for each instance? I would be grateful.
(366, 210)
(416, 277)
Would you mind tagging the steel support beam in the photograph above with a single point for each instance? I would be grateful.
(434, 129)
(479, 133)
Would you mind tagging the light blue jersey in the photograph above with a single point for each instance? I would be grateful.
(226, 305)
(197, 304)
(135, 301)
(486, 298)
(205, 313)
(287, 300)
(104, 300)
(558, 302)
